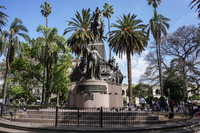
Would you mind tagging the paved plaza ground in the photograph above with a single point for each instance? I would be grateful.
(192, 125)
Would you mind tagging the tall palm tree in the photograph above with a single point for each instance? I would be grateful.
(13, 45)
(196, 2)
(51, 52)
(3, 18)
(107, 11)
(157, 26)
(82, 35)
(154, 3)
(46, 10)
(129, 38)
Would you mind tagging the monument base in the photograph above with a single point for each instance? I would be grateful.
(95, 93)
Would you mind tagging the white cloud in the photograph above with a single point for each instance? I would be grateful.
(139, 68)
(121, 61)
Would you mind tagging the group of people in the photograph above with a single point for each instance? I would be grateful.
(163, 104)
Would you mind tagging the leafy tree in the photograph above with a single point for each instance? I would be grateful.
(13, 45)
(3, 18)
(25, 74)
(157, 25)
(46, 11)
(141, 90)
(107, 11)
(82, 35)
(182, 46)
(195, 3)
(176, 84)
(60, 73)
(54, 45)
(15, 106)
(128, 38)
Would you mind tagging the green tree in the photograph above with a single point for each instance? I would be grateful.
(195, 3)
(82, 35)
(157, 26)
(54, 43)
(25, 74)
(60, 81)
(129, 37)
(176, 84)
(3, 18)
(15, 106)
(107, 11)
(141, 90)
(13, 45)
(183, 45)
(46, 11)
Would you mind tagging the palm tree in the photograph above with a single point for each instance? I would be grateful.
(54, 42)
(154, 3)
(3, 18)
(107, 11)
(13, 45)
(46, 10)
(157, 25)
(82, 35)
(129, 38)
(196, 2)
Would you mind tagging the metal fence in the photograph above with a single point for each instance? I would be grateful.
(101, 117)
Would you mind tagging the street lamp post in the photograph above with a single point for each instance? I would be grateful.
(168, 90)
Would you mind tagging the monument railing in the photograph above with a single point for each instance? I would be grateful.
(99, 117)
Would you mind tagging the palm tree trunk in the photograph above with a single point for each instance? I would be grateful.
(129, 75)
(48, 88)
(43, 86)
(6, 74)
(109, 36)
(160, 70)
(158, 59)
(46, 23)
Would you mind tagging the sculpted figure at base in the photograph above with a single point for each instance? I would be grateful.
(118, 75)
(93, 63)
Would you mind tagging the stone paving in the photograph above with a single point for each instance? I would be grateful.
(192, 125)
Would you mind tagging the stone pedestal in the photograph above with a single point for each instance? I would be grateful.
(95, 93)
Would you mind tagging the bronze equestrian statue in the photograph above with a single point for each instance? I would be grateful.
(97, 25)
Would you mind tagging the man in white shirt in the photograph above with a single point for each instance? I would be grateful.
(142, 102)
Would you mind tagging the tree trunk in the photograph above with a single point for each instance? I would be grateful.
(6, 74)
(129, 75)
(48, 88)
(160, 70)
(43, 86)
(46, 23)
(109, 37)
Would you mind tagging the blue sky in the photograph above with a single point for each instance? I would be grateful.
(29, 12)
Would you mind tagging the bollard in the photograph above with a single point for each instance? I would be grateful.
(101, 117)
(1, 111)
(56, 122)
(78, 116)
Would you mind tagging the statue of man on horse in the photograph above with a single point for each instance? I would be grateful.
(97, 25)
